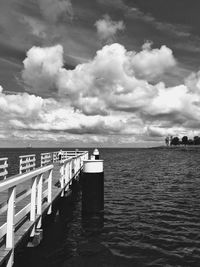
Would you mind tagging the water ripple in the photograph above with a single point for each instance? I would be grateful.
(151, 218)
(153, 199)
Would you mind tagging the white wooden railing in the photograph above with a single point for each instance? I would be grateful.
(55, 156)
(69, 169)
(34, 207)
(26, 163)
(46, 158)
(66, 154)
(3, 168)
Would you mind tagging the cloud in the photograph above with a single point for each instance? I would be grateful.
(12, 104)
(193, 82)
(48, 114)
(150, 63)
(111, 97)
(17, 110)
(36, 26)
(41, 68)
(109, 81)
(53, 10)
(107, 28)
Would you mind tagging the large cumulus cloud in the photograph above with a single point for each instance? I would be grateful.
(112, 97)
(114, 79)
(41, 68)
(29, 112)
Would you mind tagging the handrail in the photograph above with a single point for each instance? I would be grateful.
(27, 156)
(20, 178)
(3, 159)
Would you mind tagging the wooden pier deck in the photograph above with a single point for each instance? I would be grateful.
(27, 197)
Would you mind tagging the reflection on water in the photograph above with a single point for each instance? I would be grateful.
(93, 224)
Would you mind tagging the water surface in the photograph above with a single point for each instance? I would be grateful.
(151, 217)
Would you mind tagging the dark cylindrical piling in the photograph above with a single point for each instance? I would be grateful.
(96, 153)
(92, 187)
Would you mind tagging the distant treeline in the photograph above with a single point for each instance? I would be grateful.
(174, 141)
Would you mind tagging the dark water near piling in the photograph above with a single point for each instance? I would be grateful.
(151, 218)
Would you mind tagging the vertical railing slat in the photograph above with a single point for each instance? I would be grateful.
(39, 200)
(10, 224)
(33, 202)
(62, 171)
(67, 175)
(49, 191)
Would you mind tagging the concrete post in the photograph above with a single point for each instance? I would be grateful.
(92, 187)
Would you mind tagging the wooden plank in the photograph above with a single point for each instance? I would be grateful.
(23, 231)
(4, 255)
(19, 236)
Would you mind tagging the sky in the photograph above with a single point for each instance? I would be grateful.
(103, 73)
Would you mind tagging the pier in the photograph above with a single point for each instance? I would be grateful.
(28, 196)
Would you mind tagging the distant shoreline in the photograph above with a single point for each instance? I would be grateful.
(179, 147)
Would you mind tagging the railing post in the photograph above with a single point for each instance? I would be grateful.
(33, 203)
(67, 176)
(41, 159)
(39, 200)
(10, 223)
(62, 172)
(75, 166)
(34, 162)
(79, 164)
(20, 166)
(6, 165)
(49, 197)
(28, 164)
(82, 159)
(70, 171)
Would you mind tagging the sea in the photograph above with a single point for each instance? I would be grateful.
(151, 214)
